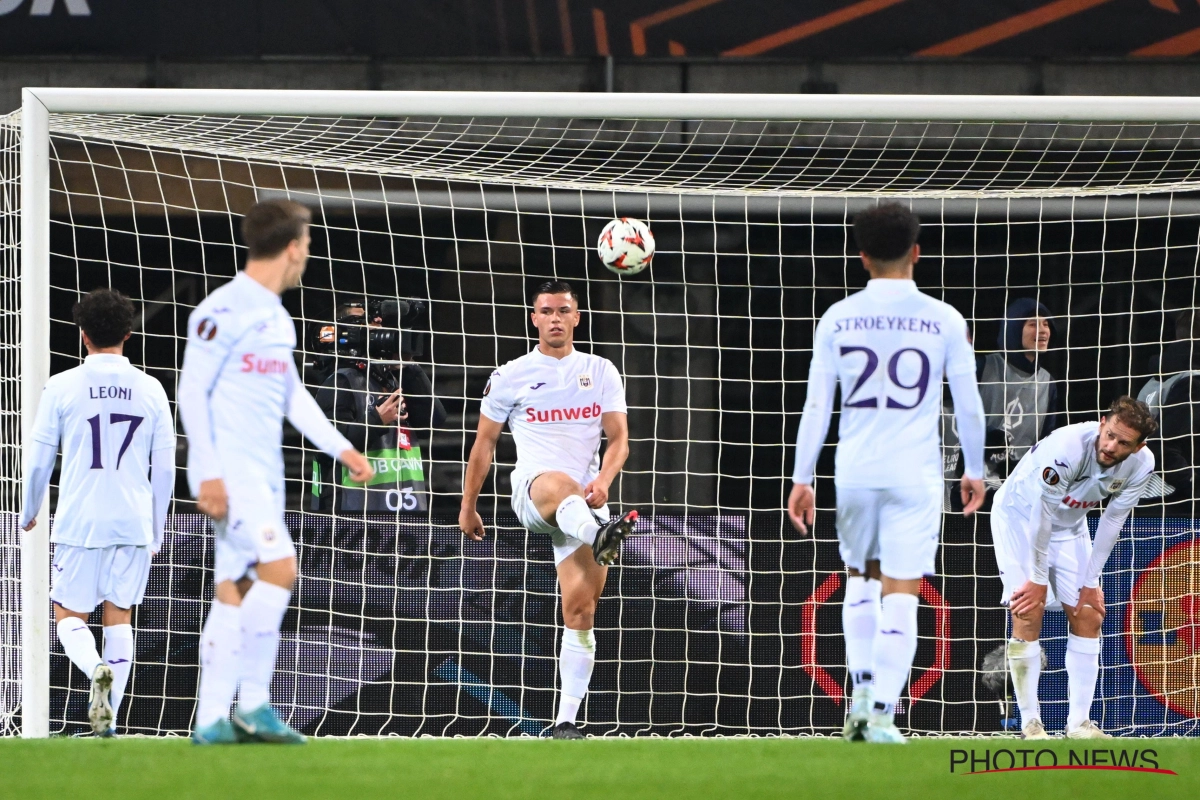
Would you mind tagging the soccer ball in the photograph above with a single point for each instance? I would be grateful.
(626, 246)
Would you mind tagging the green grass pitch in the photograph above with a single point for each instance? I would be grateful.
(695, 769)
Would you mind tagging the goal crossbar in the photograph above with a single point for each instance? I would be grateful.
(626, 105)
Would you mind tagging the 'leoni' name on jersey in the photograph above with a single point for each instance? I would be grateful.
(110, 393)
(562, 414)
(885, 323)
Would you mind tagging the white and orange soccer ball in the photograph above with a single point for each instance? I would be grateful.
(626, 246)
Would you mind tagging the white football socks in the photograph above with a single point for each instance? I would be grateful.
(860, 623)
(1083, 667)
(220, 662)
(575, 519)
(1025, 663)
(894, 648)
(262, 613)
(575, 662)
(79, 644)
(118, 654)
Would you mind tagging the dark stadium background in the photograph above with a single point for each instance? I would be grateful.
(1120, 306)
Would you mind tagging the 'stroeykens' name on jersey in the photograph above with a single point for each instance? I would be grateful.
(562, 414)
(886, 323)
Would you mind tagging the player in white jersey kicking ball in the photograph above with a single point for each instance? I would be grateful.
(239, 380)
(557, 401)
(889, 346)
(1039, 529)
(115, 426)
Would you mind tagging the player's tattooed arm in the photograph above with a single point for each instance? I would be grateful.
(616, 430)
(478, 464)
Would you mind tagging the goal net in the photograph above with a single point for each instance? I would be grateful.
(719, 619)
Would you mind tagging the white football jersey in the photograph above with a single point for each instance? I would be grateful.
(109, 416)
(553, 407)
(1063, 467)
(891, 346)
(239, 356)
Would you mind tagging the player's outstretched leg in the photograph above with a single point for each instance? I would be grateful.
(262, 613)
(860, 622)
(893, 650)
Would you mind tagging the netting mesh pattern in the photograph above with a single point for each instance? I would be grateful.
(720, 620)
(10, 422)
(699, 156)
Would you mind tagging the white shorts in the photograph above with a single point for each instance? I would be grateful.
(528, 516)
(1012, 539)
(898, 527)
(253, 532)
(84, 577)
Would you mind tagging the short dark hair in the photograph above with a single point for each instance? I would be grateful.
(270, 226)
(1135, 414)
(553, 287)
(886, 231)
(106, 316)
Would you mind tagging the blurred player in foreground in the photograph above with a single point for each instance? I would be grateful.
(115, 426)
(890, 346)
(557, 401)
(1039, 528)
(239, 380)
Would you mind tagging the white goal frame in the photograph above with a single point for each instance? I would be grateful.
(38, 103)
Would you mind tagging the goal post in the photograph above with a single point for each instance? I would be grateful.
(812, 160)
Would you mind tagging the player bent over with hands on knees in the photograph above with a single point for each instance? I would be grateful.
(557, 401)
(115, 425)
(1039, 529)
(889, 346)
(238, 381)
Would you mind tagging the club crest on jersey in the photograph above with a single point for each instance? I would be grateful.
(268, 534)
(207, 329)
(1050, 476)
(585, 381)
(1116, 485)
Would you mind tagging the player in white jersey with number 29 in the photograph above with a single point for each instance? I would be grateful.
(239, 380)
(557, 401)
(1047, 558)
(889, 346)
(115, 426)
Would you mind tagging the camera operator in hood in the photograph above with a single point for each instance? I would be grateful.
(383, 407)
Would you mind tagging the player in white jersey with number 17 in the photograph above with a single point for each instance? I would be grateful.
(239, 380)
(1046, 558)
(889, 346)
(115, 426)
(557, 401)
